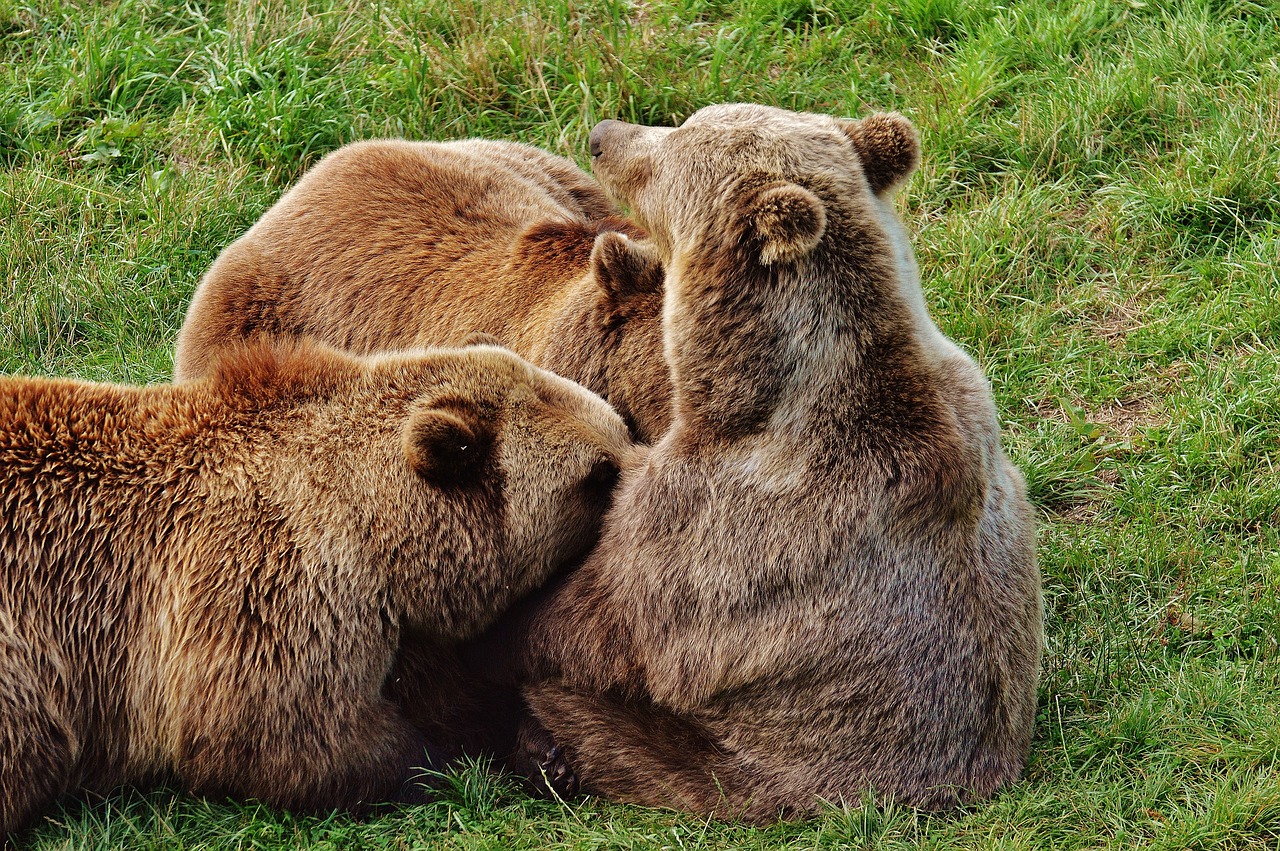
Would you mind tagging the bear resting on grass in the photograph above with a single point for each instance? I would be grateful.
(389, 244)
(822, 580)
(208, 583)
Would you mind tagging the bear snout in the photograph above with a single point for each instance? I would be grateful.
(595, 142)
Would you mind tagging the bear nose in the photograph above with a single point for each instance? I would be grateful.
(597, 133)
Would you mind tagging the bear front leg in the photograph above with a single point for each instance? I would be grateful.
(35, 744)
(571, 631)
(454, 697)
(344, 759)
(634, 752)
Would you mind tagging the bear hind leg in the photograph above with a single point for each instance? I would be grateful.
(638, 753)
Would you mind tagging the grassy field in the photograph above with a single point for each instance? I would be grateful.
(1097, 220)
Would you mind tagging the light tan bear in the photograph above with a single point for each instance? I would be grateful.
(390, 244)
(822, 580)
(209, 582)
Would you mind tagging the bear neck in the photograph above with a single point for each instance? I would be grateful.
(909, 286)
(755, 347)
(120, 433)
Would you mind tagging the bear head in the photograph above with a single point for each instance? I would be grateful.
(780, 245)
(777, 171)
(467, 476)
(609, 335)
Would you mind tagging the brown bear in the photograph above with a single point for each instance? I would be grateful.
(390, 244)
(821, 582)
(208, 582)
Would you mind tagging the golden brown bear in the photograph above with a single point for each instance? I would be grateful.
(209, 582)
(390, 244)
(822, 580)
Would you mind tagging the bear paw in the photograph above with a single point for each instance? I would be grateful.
(548, 769)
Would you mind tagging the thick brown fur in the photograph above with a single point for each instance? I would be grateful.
(209, 582)
(822, 580)
(390, 244)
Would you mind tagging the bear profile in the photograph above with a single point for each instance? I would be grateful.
(209, 582)
(391, 244)
(821, 582)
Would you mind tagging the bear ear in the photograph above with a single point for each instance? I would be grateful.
(623, 266)
(480, 338)
(446, 443)
(887, 144)
(788, 219)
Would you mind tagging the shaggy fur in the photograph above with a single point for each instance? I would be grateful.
(209, 582)
(822, 580)
(389, 244)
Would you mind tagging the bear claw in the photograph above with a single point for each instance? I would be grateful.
(558, 774)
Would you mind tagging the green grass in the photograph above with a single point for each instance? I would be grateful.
(1097, 219)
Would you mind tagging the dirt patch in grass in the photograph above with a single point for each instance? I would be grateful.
(1120, 319)
(1080, 513)
(1120, 418)
(1128, 417)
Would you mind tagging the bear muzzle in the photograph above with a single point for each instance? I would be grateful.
(596, 141)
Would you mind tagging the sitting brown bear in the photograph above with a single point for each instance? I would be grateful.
(822, 580)
(389, 244)
(209, 582)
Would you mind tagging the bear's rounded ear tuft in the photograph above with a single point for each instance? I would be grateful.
(446, 443)
(623, 266)
(887, 144)
(481, 338)
(789, 220)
